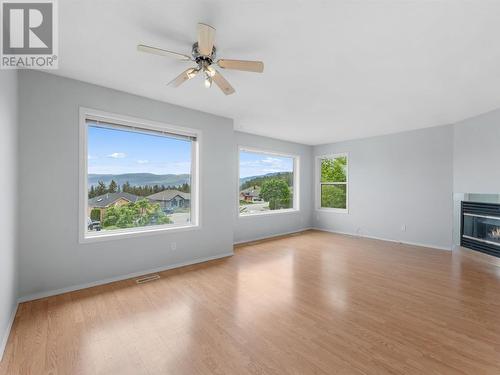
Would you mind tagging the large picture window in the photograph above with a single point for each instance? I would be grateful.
(138, 177)
(267, 182)
(332, 192)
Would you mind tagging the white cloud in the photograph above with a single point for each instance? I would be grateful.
(117, 155)
(265, 165)
(268, 163)
(143, 161)
(272, 161)
(91, 157)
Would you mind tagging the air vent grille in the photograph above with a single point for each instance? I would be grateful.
(146, 279)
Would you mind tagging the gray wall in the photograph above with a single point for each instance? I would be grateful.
(8, 182)
(395, 180)
(50, 255)
(477, 154)
(248, 228)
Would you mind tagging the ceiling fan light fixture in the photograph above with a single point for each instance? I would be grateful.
(208, 81)
(210, 71)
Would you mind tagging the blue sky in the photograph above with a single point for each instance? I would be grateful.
(112, 151)
(256, 164)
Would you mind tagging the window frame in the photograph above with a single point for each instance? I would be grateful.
(296, 182)
(128, 121)
(318, 183)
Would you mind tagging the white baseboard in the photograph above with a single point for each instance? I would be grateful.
(6, 334)
(431, 246)
(272, 236)
(50, 293)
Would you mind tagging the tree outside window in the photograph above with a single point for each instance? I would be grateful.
(333, 182)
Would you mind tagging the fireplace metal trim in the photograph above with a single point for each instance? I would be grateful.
(481, 240)
(483, 216)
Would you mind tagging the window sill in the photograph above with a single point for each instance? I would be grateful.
(121, 234)
(270, 213)
(334, 210)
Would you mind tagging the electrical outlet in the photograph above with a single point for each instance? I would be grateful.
(173, 246)
(403, 228)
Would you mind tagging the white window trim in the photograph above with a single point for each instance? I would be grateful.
(83, 235)
(317, 179)
(296, 182)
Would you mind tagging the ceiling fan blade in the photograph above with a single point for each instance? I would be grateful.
(162, 52)
(248, 66)
(206, 38)
(222, 83)
(184, 76)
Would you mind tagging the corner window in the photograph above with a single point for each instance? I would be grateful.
(333, 184)
(138, 177)
(268, 182)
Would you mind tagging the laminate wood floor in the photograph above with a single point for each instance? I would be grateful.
(314, 303)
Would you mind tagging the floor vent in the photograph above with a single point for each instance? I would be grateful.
(146, 279)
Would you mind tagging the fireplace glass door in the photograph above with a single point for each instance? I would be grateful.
(482, 228)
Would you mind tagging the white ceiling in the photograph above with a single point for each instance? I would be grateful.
(334, 70)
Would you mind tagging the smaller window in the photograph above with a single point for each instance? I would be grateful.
(267, 182)
(333, 182)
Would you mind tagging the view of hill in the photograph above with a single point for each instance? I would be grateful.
(246, 182)
(140, 179)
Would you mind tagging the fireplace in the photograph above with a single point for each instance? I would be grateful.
(480, 227)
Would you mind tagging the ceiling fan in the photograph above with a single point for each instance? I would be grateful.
(203, 53)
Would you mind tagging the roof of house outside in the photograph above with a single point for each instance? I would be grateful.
(167, 195)
(251, 192)
(107, 199)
